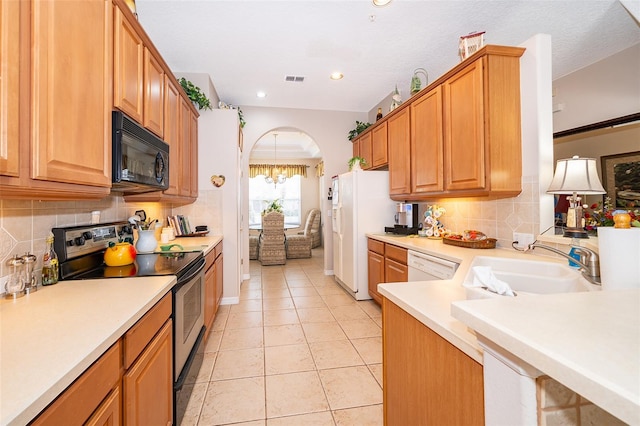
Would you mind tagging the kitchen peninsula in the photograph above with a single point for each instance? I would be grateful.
(575, 338)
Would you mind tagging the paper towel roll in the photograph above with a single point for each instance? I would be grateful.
(619, 251)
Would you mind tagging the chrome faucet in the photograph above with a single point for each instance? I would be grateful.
(589, 262)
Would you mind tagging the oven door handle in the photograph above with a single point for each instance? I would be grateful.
(193, 271)
(187, 365)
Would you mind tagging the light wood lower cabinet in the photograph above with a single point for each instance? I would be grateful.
(86, 395)
(213, 285)
(375, 268)
(387, 263)
(426, 379)
(148, 384)
(132, 382)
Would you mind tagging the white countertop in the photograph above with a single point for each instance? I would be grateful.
(50, 337)
(588, 341)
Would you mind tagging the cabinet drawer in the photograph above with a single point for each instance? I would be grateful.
(210, 258)
(396, 253)
(79, 401)
(138, 336)
(375, 246)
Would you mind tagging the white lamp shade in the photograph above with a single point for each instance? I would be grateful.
(576, 175)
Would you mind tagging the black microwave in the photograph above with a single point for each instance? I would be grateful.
(140, 161)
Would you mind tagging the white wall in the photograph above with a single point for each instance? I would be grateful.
(329, 131)
(604, 90)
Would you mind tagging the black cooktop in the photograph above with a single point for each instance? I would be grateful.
(145, 265)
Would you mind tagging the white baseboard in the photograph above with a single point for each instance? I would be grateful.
(230, 300)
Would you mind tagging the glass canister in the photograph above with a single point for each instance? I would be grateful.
(14, 286)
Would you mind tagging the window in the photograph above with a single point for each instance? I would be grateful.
(262, 193)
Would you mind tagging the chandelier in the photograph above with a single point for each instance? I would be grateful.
(276, 176)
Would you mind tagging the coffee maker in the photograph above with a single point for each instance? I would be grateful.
(406, 220)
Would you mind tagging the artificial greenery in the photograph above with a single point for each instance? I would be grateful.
(273, 206)
(241, 116)
(360, 127)
(353, 160)
(195, 94)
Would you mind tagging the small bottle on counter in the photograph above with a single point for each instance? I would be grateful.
(49, 264)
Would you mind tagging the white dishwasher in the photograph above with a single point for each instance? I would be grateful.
(424, 267)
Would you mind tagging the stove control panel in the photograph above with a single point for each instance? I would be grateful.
(76, 241)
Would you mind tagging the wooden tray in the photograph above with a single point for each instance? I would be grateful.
(489, 243)
(194, 234)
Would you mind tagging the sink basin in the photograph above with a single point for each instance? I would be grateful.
(528, 277)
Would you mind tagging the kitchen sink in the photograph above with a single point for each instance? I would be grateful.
(528, 277)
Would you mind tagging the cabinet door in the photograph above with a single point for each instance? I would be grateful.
(427, 143)
(193, 154)
(356, 148)
(464, 147)
(399, 153)
(9, 87)
(110, 411)
(376, 274)
(128, 68)
(184, 180)
(153, 94)
(148, 384)
(71, 91)
(379, 156)
(171, 128)
(433, 383)
(209, 295)
(365, 149)
(395, 271)
(219, 279)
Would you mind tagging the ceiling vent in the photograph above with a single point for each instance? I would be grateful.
(294, 78)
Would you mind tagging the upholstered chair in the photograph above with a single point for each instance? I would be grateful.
(299, 246)
(316, 238)
(271, 245)
(253, 247)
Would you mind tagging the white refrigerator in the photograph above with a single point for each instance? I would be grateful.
(360, 205)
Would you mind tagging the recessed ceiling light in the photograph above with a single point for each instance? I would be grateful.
(381, 3)
(336, 76)
(261, 94)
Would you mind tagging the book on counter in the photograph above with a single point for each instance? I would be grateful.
(180, 224)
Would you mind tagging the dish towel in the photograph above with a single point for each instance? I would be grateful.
(484, 277)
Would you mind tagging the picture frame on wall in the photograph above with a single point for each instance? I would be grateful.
(621, 179)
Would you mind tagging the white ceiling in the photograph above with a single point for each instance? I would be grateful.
(246, 46)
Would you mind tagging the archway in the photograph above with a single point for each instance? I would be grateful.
(290, 161)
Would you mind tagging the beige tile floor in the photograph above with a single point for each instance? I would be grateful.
(296, 350)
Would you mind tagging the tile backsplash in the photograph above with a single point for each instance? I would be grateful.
(497, 218)
(24, 224)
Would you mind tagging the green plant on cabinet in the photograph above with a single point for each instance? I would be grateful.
(195, 94)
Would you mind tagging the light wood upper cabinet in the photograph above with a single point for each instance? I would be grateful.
(464, 148)
(482, 134)
(184, 181)
(71, 92)
(153, 94)
(9, 87)
(427, 143)
(128, 79)
(193, 155)
(356, 148)
(399, 153)
(364, 143)
(171, 132)
(379, 157)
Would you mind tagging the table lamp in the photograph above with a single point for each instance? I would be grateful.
(575, 176)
